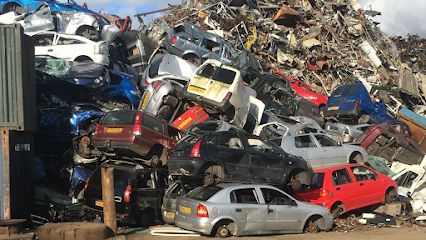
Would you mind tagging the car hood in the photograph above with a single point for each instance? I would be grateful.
(176, 66)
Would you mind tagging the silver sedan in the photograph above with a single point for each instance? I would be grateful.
(247, 209)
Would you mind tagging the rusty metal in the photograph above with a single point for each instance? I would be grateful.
(108, 197)
(9, 227)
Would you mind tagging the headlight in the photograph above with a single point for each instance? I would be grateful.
(103, 48)
(97, 80)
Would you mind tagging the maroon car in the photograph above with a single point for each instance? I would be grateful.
(135, 134)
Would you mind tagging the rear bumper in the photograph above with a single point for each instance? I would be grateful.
(120, 147)
(208, 103)
(202, 225)
(165, 213)
(185, 167)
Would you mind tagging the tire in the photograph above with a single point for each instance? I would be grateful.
(83, 59)
(88, 32)
(364, 119)
(222, 231)
(296, 181)
(356, 158)
(13, 7)
(337, 210)
(390, 195)
(295, 184)
(311, 226)
(165, 112)
(213, 175)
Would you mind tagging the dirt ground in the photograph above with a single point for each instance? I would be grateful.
(403, 233)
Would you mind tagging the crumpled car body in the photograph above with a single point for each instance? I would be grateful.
(219, 89)
(61, 5)
(322, 151)
(345, 133)
(352, 102)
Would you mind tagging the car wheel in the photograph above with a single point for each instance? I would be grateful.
(390, 196)
(295, 184)
(13, 7)
(213, 175)
(311, 226)
(337, 210)
(364, 119)
(222, 231)
(356, 158)
(165, 112)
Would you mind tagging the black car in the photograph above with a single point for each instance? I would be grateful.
(138, 192)
(235, 156)
(277, 94)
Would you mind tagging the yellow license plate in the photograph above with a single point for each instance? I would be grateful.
(145, 100)
(99, 203)
(184, 123)
(186, 210)
(170, 215)
(114, 130)
(196, 89)
(333, 108)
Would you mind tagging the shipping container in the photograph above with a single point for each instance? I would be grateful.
(16, 174)
(17, 80)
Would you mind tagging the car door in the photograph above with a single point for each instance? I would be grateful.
(231, 152)
(344, 188)
(246, 209)
(330, 150)
(44, 43)
(282, 213)
(69, 48)
(371, 192)
(266, 161)
(306, 146)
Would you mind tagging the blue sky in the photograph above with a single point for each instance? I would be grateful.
(399, 17)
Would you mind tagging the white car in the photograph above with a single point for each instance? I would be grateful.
(71, 47)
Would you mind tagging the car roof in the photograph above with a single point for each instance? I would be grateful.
(337, 167)
(81, 38)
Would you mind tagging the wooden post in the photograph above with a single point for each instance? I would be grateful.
(108, 197)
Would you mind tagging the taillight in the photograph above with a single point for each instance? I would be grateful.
(156, 85)
(324, 193)
(137, 125)
(97, 128)
(228, 96)
(202, 211)
(356, 104)
(127, 193)
(173, 40)
(195, 152)
(146, 82)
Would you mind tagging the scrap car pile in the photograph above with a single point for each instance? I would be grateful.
(219, 115)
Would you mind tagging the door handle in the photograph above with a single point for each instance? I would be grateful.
(270, 210)
(361, 184)
(337, 189)
(50, 50)
(238, 209)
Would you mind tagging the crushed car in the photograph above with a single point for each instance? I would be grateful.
(343, 132)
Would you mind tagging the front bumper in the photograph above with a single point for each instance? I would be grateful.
(120, 147)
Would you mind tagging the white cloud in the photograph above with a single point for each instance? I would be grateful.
(399, 17)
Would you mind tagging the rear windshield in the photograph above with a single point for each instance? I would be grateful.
(153, 69)
(317, 180)
(218, 74)
(119, 118)
(203, 193)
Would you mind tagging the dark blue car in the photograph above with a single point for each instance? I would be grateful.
(21, 6)
(352, 102)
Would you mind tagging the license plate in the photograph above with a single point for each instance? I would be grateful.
(186, 210)
(184, 123)
(99, 203)
(333, 108)
(196, 89)
(114, 130)
(145, 101)
(170, 215)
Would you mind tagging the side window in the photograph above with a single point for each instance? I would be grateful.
(43, 40)
(153, 124)
(326, 141)
(341, 177)
(272, 131)
(245, 196)
(304, 142)
(406, 179)
(210, 45)
(275, 197)
(363, 173)
(231, 140)
(66, 41)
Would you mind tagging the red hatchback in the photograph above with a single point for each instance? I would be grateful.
(347, 187)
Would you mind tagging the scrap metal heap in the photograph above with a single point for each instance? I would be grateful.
(323, 42)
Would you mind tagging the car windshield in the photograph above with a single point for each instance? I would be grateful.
(119, 118)
(153, 69)
(203, 193)
(218, 74)
(53, 66)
